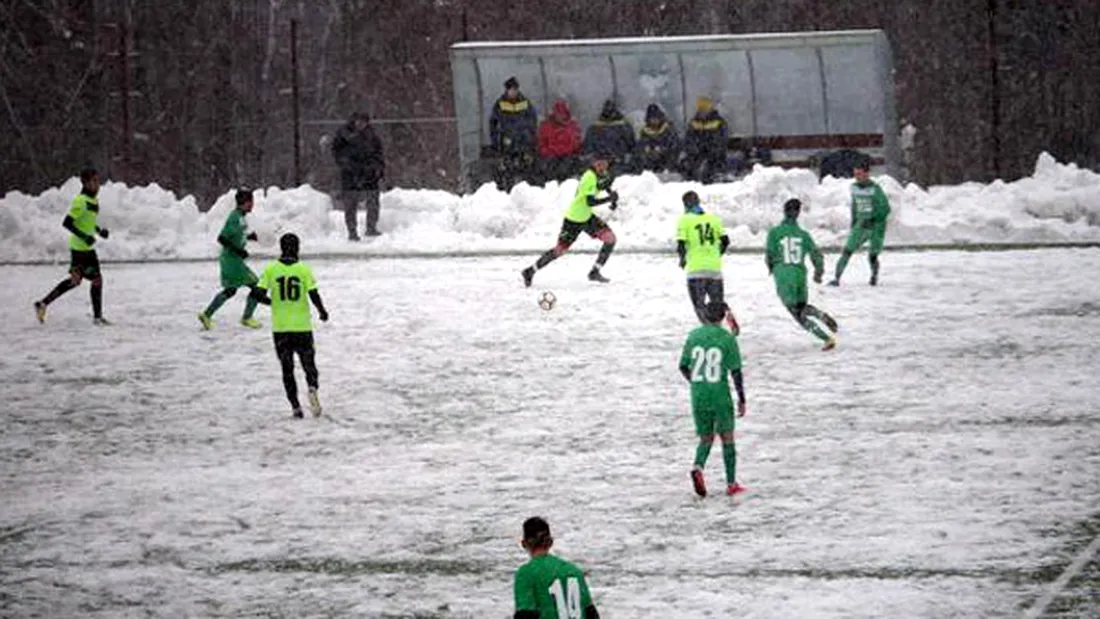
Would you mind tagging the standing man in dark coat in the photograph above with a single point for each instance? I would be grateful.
(358, 154)
(513, 129)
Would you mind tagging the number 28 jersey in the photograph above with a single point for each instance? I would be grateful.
(289, 286)
(553, 587)
(702, 234)
(711, 353)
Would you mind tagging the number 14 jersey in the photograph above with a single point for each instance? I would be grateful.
(289, 286)
(702, 234)
(553, 587)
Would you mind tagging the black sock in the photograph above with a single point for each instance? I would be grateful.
(61, 288)
(605, 253)
(97, 300)
(545, 259)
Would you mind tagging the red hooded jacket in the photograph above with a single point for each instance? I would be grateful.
(559, 134)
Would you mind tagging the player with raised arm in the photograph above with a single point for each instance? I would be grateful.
(81, 222)
(785, 254)
(870, 209)
(701, 241)
(710, 356)
(289, 282)
(580, 218)
(231, 262)
(548, 587)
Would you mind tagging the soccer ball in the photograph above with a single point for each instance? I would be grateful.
(547, 300)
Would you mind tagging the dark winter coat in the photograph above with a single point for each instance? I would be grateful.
(513, 125)
(658, 142)
(611, 135)
(359, 156)
(559, 134)
(706, 136)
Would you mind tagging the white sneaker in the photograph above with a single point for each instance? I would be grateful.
(314, 402)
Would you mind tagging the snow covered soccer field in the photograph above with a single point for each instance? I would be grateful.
(942, 462)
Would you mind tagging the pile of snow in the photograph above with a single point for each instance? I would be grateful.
(1058, 203)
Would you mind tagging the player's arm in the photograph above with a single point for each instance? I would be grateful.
(771, 251)
(526, 604)
(816, 258)
(226, 240)
(259, 291)
(682, 252)
(315, 298)
(70, 225)
(882, 204)
(739, 387)
(723, 238)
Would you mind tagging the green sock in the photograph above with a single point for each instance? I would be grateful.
(249, 307)
(219, 300)
(702, 451)
(814, 328)
(841, 264)
(729, 458)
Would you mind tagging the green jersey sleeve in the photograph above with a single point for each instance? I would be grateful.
(234, 229)
(685, 355)
(733, 354)
(771, 249)
(881, 204)
(524, 591)
(586, 595)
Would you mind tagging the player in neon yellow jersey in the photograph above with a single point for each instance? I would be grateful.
(81, 222)
(291, 286)
(580, 218)
(701, 240)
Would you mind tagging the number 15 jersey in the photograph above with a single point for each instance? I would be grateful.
(289, 286)
(702, 235)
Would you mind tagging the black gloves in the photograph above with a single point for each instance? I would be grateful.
(323, 315)
(88, 239)
(240, 253)
(817, 277)
(103, 232)
(614, 199)
(252, 236)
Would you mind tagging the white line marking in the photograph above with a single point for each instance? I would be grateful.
(1040, 606)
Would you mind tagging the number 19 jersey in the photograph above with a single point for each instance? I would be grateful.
(553, 587)
(289, 286)
(711, 353)
(702, 234)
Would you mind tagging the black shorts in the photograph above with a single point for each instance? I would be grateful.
(86, 263)
(293, 342)
(570, 230)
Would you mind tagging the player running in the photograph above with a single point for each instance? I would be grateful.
(870, 208)
(291, 322)
(786, 250)
(234, 271)
(548, 587)
(709, 357)
(83, 262)
(580, 218)
(701, 240)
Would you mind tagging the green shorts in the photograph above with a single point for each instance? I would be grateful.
(710, 421)
(235, 273)
(859, 235)
(791, 287)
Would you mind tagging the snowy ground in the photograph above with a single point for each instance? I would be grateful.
(942, 462)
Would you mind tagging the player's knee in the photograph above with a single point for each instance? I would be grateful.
(75, 278)
(706, 439)
(608, 237)
(727, 438)
(97, 282)
(560, 248)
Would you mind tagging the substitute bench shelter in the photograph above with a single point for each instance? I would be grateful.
(800, 94)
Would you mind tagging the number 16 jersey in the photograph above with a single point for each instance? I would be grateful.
(289, 286)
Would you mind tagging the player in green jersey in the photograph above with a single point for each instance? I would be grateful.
(870, 209)
(580, 218)
(785, 254)
(548, 587)
(234, 271)
(701, 240)
(289, 281)
(81, 222)
(709, 357)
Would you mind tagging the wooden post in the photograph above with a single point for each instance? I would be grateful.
(294, 96)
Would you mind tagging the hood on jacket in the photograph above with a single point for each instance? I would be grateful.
(561, 112)
(654, 113)
(610, 111)
(363, 116)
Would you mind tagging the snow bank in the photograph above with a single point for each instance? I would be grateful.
(1058, 203)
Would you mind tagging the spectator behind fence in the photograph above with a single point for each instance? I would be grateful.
(658, 142)
(358, 154)
(613, 136)
(705, 143)
(559, 143)
(512, 128)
